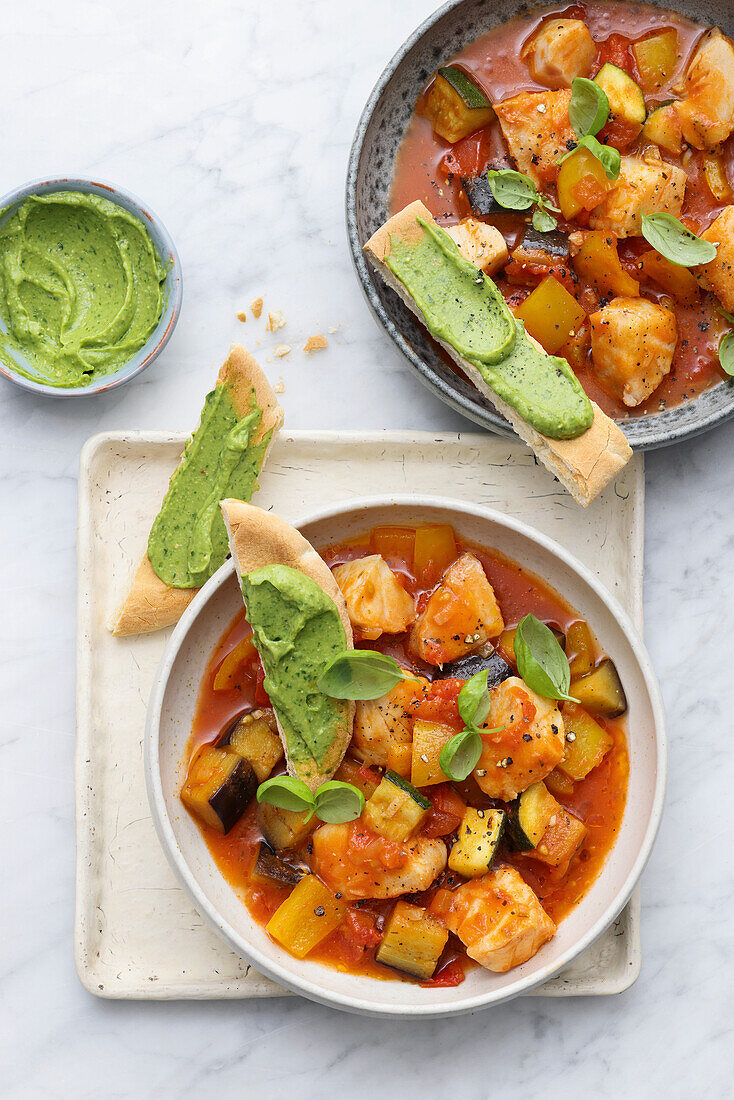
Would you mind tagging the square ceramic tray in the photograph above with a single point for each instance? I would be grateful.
(137, 934)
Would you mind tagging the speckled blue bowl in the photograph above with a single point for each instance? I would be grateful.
(166, 250)
(369, 177)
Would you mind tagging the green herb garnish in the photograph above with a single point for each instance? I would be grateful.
(672, 240)
(334, 801)
(589, 106)
(361, 674)
(516, 191)
(541, 662)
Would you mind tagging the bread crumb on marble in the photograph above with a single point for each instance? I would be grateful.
(314, 343)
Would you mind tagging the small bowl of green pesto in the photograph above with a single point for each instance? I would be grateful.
(90, 286)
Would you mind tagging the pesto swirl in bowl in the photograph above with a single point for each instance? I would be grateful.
(82, 288)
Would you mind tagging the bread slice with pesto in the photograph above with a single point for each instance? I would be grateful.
(585, 454)
(187, 542)
(299, 623)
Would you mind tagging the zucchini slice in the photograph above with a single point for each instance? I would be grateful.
(455, 105)
(413, 941)
(529, 816)
(626, 99)
(396, 810)
(663, 127)
(479, 836)
(219, 787)
(255, 736)
(587, 743)
(601, 691)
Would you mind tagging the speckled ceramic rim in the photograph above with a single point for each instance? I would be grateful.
(711, 408)
(288, 976)
(166, 250)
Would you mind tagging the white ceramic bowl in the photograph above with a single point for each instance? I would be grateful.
(170, 715)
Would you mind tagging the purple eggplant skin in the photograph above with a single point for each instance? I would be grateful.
(226, 735)
(480, 197)
(236, 793)
(285, 872)
(465, 667)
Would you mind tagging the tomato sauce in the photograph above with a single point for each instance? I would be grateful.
(598, 800)
(429, 168)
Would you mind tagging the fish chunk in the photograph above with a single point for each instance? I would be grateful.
(481, 244)
(379, 723)
(646, 185)
(718, 275)
(527, 749)
(706, 111)
(561, 50)
(356, 863)
(376, 601)
(460, 616)
(632, 345)
(497, 917)
(537, 130)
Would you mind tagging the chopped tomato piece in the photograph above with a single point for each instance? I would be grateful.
(616, 50)
(450, 974)
(467, 157)
(441, 701)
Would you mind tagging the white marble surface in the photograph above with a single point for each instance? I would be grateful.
(233, 121)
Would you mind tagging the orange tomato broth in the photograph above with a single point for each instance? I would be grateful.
(598, 800)
(494, 59)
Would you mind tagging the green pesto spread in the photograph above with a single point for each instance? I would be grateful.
(460, 308)
(81, 288)
(460, 304)
(188, 539)
(297, 632)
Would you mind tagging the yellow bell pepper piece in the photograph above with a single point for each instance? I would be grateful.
(306, 917)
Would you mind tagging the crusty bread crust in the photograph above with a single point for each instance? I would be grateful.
(151, 604)
(585, 465)
(258, 538)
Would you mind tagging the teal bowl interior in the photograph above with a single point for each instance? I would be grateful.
(166, 250)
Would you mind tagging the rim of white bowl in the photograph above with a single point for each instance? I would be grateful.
(308, 988)
(167, 251)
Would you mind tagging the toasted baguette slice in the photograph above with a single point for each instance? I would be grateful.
(151, 604)
(258, 538)
(585, 465)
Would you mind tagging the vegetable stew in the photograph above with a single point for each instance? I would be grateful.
(599, 194)
(454, 860)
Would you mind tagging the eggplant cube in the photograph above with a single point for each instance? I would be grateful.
(219, 787)
(256, 738)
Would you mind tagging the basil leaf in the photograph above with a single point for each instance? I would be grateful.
(727, 316)
(589, 106)
(336, 802)
(610, 158)
(671, 239)
(287, 793)
(361, 674)
(460, 755)
(726, 354)
(474, 700)
(512, 189)
(543, 221)
(541, 662)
